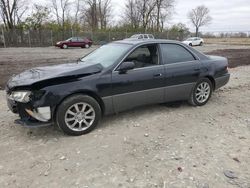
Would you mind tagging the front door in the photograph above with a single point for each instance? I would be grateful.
(142, 85)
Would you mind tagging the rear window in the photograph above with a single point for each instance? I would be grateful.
(174, 53)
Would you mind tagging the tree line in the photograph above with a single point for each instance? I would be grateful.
(95, 15)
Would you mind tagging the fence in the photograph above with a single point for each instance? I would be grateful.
(42, 38)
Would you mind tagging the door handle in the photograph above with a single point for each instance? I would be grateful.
(157, 75)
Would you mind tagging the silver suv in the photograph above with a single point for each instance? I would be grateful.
(142, 36)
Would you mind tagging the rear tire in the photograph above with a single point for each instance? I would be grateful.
(190, 44)
(201, 44)
(78, 115)
(87, 46)
(201, 93)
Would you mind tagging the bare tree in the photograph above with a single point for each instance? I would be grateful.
(104, 12)
(60, 9)
(90, 14)
(12, 11)
(146, 7)
(97, 13)
(139, 12)
(199, 17)
(39, 16)
(132, 15)
(148, 14)
(77, 4)
(163, 10)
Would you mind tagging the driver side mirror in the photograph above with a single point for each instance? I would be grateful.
(125, 66)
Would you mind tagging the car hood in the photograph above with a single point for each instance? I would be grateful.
(38, 74)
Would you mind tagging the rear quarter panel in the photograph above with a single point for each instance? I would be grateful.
(216, 66)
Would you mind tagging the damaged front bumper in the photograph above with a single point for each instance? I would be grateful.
(30, 116)
(31, 124)
(42, 114)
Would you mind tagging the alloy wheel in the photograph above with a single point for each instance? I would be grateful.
(79, 116)
(202, 92)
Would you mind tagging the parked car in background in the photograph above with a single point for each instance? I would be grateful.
(115, 77)
(141, 36)
(75, 42)
(194, 41)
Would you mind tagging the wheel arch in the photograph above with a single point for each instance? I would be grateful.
(82, 92)
(212, 80)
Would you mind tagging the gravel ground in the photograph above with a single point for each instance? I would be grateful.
(168, 145)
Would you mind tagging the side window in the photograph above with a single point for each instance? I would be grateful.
(80, 39)
(74, 39)
(173, 53)
(145, 36)
(144, 56)
(140, 37)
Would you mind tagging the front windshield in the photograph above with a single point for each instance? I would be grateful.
(106, 55)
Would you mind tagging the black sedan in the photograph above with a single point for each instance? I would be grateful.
(116, 77)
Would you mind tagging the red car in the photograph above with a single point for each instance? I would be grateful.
(75, 42)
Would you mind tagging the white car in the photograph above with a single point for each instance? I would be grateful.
(194, 41)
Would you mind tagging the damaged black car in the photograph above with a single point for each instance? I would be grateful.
(115, 77)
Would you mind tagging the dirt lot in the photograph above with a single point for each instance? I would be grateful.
(228, 41)
(156, 146)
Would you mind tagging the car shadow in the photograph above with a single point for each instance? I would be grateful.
(110, 120)
(53, 131)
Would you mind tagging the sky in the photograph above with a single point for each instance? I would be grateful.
(228, 15)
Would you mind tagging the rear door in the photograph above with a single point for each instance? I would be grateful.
(81, 42)
(182, 71)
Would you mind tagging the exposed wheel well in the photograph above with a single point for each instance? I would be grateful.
(212, 81)
(89, 93)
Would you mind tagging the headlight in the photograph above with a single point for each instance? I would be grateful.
(58, 43)
(20, 96)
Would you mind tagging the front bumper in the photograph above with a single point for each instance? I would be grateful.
(12, 105)
(221, 81)
(29, 116)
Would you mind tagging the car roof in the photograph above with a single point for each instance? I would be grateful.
(137, 42)
(148, 41)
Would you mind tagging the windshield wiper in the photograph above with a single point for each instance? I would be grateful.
(79, 59)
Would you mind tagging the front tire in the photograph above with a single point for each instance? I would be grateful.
(190, 44)
(78, 115)
(64, 46)
(201, 92)
(201, 43)
(87, 46)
